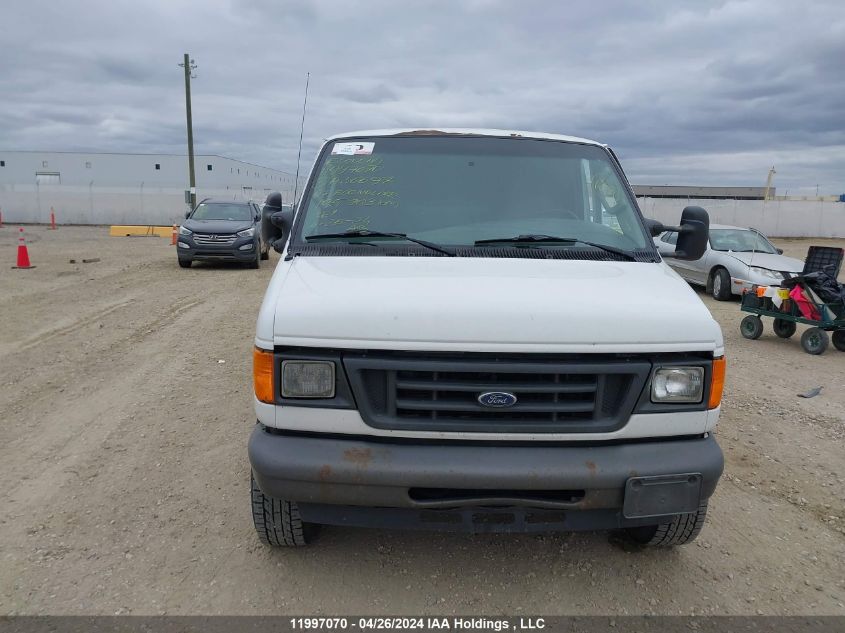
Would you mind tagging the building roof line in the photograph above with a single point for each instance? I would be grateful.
(50, 151)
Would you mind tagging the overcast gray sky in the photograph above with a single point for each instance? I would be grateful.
(686, 92)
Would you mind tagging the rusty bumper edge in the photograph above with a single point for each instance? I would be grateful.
(358, 472)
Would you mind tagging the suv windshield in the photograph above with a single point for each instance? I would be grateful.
(222, 211)
(740, 240)
(457, 190)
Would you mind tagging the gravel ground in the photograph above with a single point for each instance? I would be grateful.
(124, 478)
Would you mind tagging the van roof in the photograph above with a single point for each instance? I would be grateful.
(446, 131)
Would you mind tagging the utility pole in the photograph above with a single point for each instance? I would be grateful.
(189, 66)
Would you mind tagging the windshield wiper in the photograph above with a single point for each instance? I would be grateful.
(535, 237)
(366, 233)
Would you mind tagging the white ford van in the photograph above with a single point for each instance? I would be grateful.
(472, 330)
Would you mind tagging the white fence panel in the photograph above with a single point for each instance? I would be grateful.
(776, 218)
(166, 205)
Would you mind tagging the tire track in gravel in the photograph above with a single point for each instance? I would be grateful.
(45, 337)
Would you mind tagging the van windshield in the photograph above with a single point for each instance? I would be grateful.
(458, 190)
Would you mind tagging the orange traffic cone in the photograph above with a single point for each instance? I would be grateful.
(23, 254)
(52, 219)
(173, 234)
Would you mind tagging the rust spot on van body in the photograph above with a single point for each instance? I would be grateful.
(591, 466)
(359, 456)
(325, 473)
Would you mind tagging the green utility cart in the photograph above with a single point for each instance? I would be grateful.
(787, 315)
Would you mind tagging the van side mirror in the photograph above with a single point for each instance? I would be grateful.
(693, 233)
(654, 227)
(276, 222)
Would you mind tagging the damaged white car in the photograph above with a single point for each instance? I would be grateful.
(736, 259)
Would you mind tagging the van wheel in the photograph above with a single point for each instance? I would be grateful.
(185, 263)
(682, 529)
(839, 340)
(277, 521)
(721, 285)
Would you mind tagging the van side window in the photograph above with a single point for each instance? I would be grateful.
(605, 201)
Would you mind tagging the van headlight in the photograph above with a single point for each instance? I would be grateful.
(765, 272)
(678, 384)
(307, 379)
(247, 232)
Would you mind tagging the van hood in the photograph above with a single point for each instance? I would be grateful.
(485, 304)
(770, 261)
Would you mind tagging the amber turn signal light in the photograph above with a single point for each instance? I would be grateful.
(717, 383)
(262, 374)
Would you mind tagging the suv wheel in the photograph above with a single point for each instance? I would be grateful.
(184, 263)
(277, 521)
(256, 263)
(683, 528)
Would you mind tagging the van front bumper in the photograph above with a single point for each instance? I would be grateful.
(485, 487)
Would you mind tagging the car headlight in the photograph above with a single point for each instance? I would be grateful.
(247, 232)
(184, 231)
(678, 384)
(307, 379)
(765, 272)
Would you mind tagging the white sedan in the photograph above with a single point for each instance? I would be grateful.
(736, 259)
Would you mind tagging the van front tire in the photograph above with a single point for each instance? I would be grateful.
(277, 521)
(682, 529)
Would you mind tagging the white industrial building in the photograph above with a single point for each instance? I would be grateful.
(112, 188)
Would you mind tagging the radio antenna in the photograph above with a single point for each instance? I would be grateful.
(301, 130)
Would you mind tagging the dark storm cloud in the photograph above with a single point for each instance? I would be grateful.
(687, 92)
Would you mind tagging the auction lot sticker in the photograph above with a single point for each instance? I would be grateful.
(353, 149)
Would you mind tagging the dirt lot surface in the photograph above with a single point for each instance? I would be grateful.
(125, 407)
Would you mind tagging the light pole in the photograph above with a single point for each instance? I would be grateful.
(189, 66)
(772, 173)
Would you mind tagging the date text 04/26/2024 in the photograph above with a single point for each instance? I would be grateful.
(417, 624)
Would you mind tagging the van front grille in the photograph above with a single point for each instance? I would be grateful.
(454, 395)
(446, 395)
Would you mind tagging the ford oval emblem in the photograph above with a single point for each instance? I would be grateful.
(497, 399)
